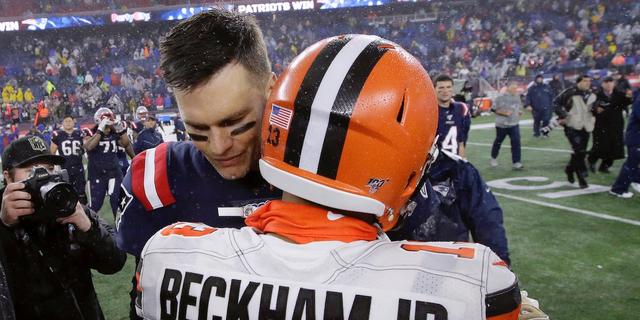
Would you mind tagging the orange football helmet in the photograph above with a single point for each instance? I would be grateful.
(349, 125)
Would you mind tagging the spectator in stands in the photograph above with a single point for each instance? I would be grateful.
(28, 96)
(508, 109)
(539, 100)
(608, 143)
(8, 135)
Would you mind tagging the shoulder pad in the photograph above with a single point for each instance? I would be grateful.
(150, 179)
(465, 109)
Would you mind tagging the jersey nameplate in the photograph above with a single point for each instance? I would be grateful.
(220, 295)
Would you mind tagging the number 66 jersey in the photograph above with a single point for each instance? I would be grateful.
(193, 271)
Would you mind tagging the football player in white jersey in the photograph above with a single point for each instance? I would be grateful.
(346, 135)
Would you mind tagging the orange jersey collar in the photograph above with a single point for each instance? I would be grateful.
(303, 224)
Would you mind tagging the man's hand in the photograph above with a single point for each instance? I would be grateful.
(104, 123)
(529, 108)
(562, 122)
(78, 218)
(599, 110)
(120, 126)
(530, 309)
(15, 203)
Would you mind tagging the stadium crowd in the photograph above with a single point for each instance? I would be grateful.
(80, 70)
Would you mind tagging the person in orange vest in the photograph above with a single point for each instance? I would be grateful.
(42, 115)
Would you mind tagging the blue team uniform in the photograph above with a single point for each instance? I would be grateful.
(137, 126)
(452, 201)
(179, 129)
(630, 171)
(70, 147)
(105, 174)
(147, 139)
(453, 126)
(175, 182)
(123, 161)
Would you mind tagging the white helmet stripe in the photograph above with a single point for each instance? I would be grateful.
(324, 99)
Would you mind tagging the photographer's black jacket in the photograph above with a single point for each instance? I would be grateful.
(48, 266)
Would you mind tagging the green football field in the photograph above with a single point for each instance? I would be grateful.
(576, 251)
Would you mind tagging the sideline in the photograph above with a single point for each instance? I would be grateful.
(579, 211)
(492, 125)
(504, 145)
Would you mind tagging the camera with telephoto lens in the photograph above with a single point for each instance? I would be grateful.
(51, 193)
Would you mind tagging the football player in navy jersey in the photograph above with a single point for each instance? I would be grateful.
(138, 124)
(454, 118)
(221, 96)
(149, 137)
(453, 202)
(102, 144)
(68, 143)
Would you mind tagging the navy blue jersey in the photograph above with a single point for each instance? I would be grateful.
(69, 146)
(105, 155)
(452, 202)
(453, 126)
(632, 135)
(175, 182)
(137, 126)
(147, 139)
(179, 129)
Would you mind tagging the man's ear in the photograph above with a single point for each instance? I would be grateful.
(6, 176)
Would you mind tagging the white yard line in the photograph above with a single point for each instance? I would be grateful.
(579, 211)
(523, 148)
(493, 125)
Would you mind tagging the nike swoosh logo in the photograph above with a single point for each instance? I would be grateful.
(333, 216)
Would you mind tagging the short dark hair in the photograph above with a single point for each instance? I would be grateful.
(443, 78)
(199, 47)
(582, 77)
(608, 79)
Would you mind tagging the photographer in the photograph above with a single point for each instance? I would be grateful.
(51, 242)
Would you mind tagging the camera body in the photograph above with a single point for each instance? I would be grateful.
(51, 193)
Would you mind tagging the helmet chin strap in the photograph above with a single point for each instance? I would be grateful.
(381, 234)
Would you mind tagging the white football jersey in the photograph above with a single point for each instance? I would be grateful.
(193, 271)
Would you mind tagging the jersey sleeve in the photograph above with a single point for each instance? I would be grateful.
(145, 200)
(150, 178)
(503, 300)
(482, 211)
